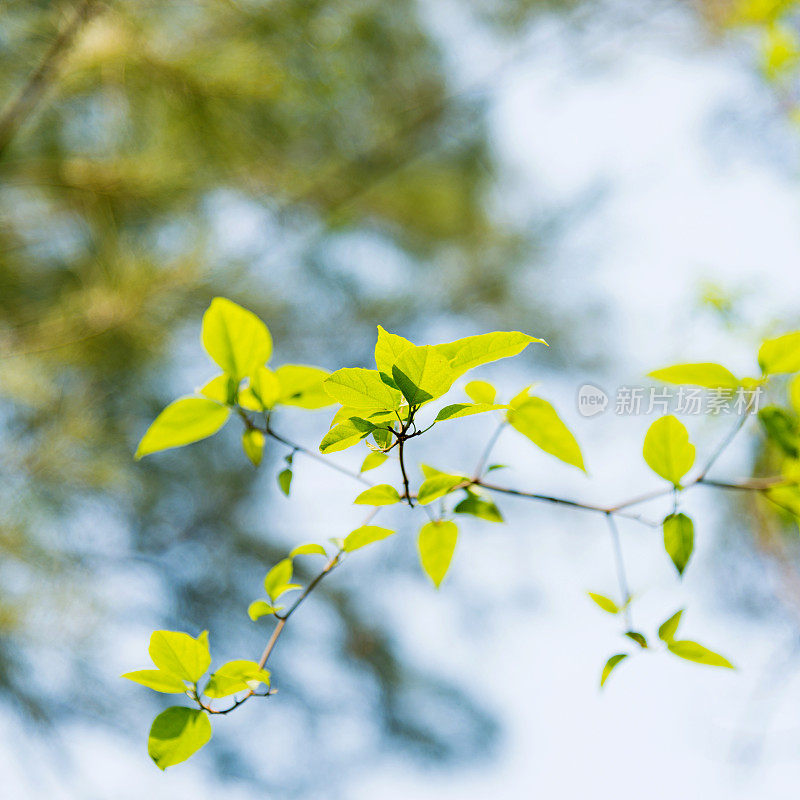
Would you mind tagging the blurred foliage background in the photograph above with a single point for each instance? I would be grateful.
(311, 160)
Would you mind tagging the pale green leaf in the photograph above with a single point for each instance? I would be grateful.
(667, 449)
(458, 410)
(692, 651)
(366, 534)
(373, 460)
(437, 543)
(479, 507)
(157, 680)
(422, 374)
(707, 375)
(221, 389)
(381, 495)
(307, 550)
(438, 486)
(679, 540)
(538, 420)
(278, 577)
(253, 445)
(465, 354)
(179, 654)
(177, 734)
(361, 388)
(285, 480)
(235, 338)
(611, 664)
(187, 420)
(388, 349)
(264, 387)
(781, 354)
(606, 603)
(260, 608)
(668, 628)
(481, 392)
(302, 386)
(345, 434)
(235, 676)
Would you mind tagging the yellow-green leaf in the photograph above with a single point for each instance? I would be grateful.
(388, 349)
(479, 507)
(235, 338)
(222, 389)
(679, 540)
(260, 608)
(458, 410)
(606, 603)
(438, 486)
(468, 353)
(781, 354)
(667, 449)
(157, 680)
(692, 651)
(301, 386)
(437, 543)
(422, 374)
(481, 392)
(187, 420)
(373, 460)
(179, 654)
(264, 387)
(177, 734)
(668, 628)
(362, 389)
(610, 666)
(707, 374)
(253, 445)
(381, 495)
(235, 676)
(366, 534)
(538, 420)
(277, 578)
(344, 435)
(307, 550)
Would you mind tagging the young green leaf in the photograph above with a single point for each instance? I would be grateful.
(235, 338)
(707, 375)
(277, 578)
(422, 374)
(253, 445)
(480, 507)
(668, 628)
(187, 420)
(177, 734)
(366, 534)
(458, 410)
(264, 387)
(781, 354)
(466, 354)
(637, 637)
(157, 680)
(307, 550)
(538, 420)
(235, 676)
(342, 436)
(260, 608)
(438, 486)
(362, 389)
(437, 543)
(373, 460)
(481, 392)
(221, 389)
(692, 651)
(302, 386)
(388, 349)
(606, 603)
(179, 654)
(285, 480)
(381, 495)
(667, 449)
(679, 540)
(611, 664)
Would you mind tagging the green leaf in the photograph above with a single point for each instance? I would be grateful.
(437, 543)
(481, 392)
(538, 420)
(342, 436)
(187, 420)
(235, 676)
(307, 550)
(285, 480)
(781, 354)
(422, 374)
(692, 651)
(381, 495)
(373, 460)
(253, 445)
(794, 393)
(637, 637)
(157, 680)
(388, 349)
(265, 388)
(221, 389)
(458, 410)
(606, 603)
(366, 534)
(260, 608)
(669, 627)
(708, 375)
(180, 654)
(679, 540)
(479, 507)
(611, 664)
(781, 428)
(277, 578)
(235, 338)
(361, 388)
(177, 734)
(438, 486)
(302, 386)
(667, 449)
(465, 354)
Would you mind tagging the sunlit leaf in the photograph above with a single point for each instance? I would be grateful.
(285, 480)
(308, 549)
(610, 666)
(235, 676)
(157, 680)
(265, 387)
(361, 388)
(606, 603)
(235, 338)
(707, 374)
(458, 410)
(344, 435)
(668, 628)
(667, 449)
(177, 734)
(422, 374)
(253, 445)
(437, 543)
(438, 486)
(538, 420)
(381, 495)
(373, 460)
(221, 389)
(388, 349)
(679, 540)
(480, 507)
(782, 429)
(366, 534)
(465, 354)
(187, 420)
(278, 577)
(692, 651)
(260, 608)
(302, 386)
(781, 354)
(637, 637)
(179, 654)
(481, 392)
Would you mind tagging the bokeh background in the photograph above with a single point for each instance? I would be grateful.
(617, 177)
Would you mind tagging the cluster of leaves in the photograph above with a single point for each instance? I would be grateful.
(383, 408)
